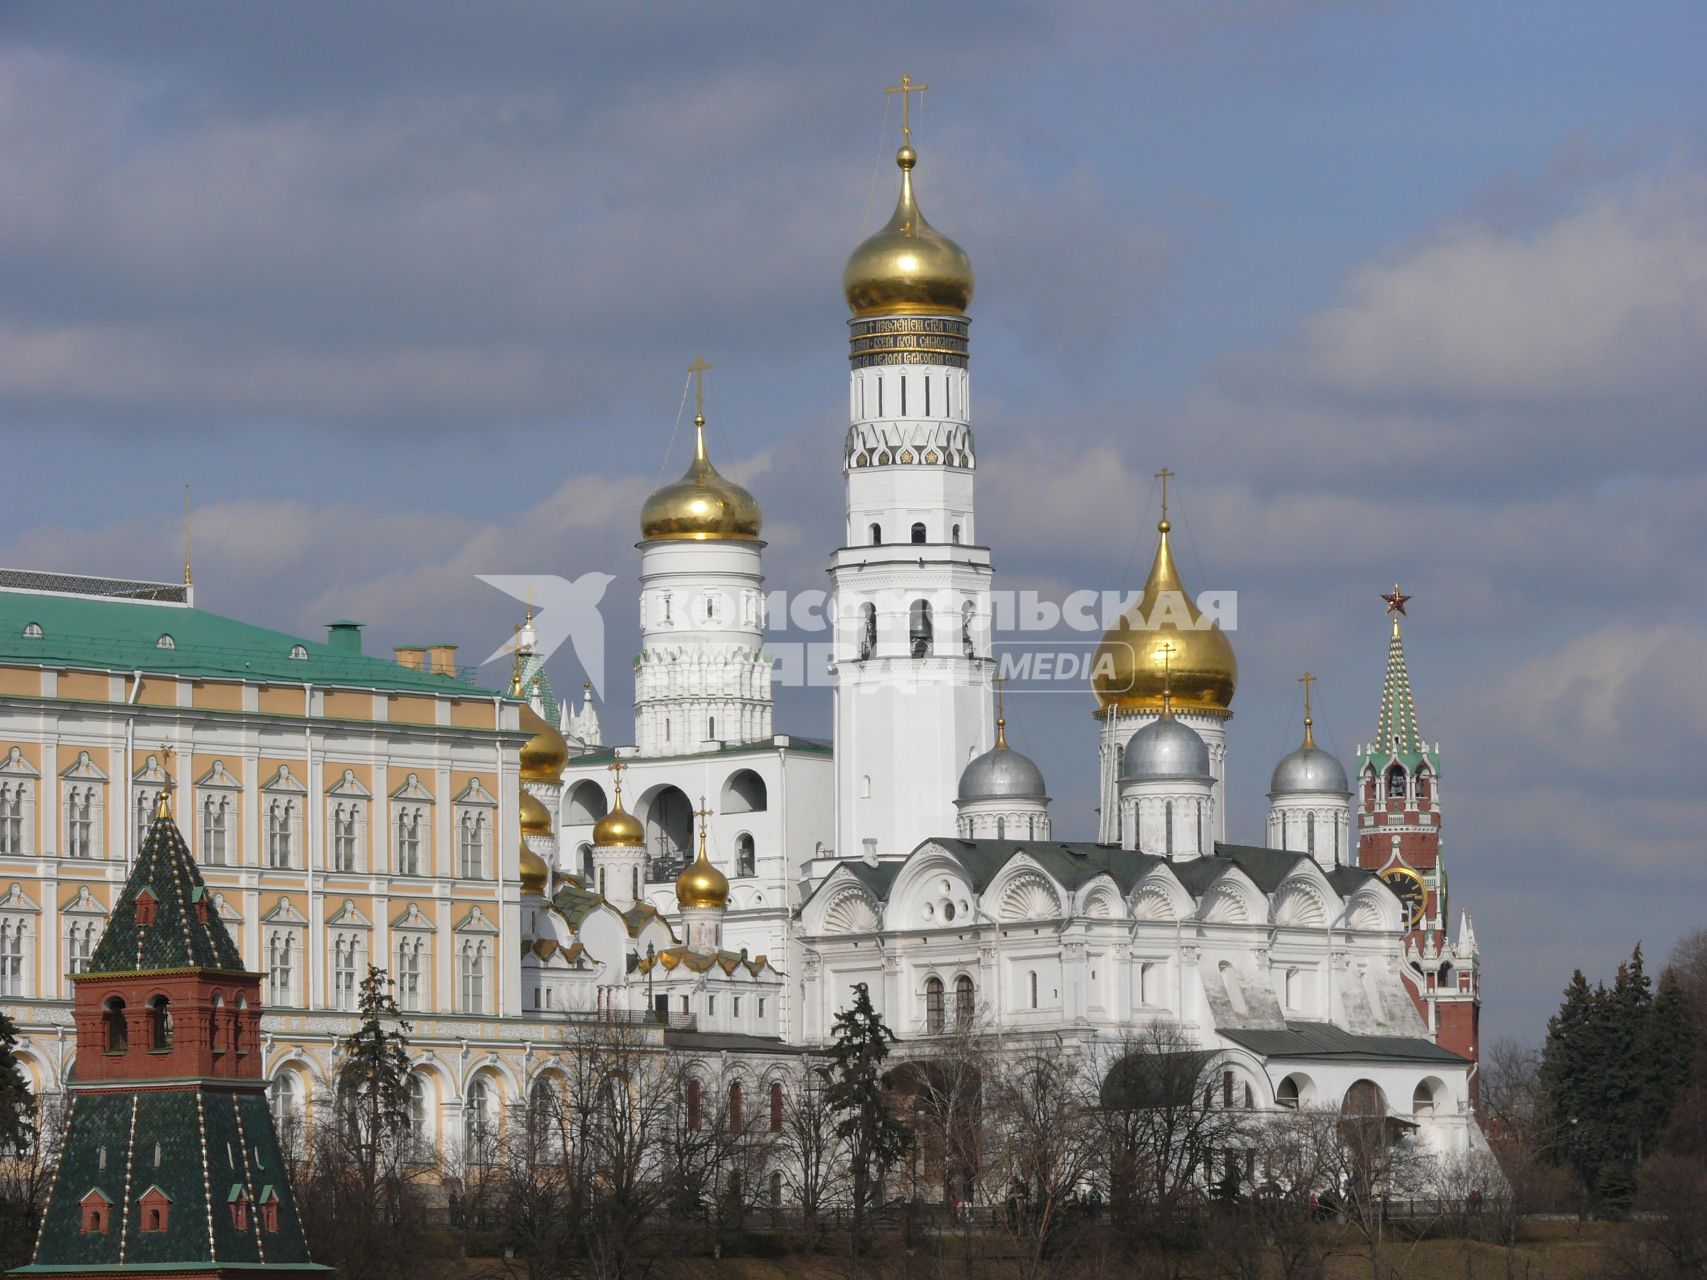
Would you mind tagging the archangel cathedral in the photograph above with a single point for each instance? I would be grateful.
(720, 876)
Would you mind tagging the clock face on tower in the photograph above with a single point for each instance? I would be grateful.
(1408, 887)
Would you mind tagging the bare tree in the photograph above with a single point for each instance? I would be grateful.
(1279, 1222)
(1041, 1146)
(1162, 1118)
(26, 1174)
(623, 1092)
(532, 1184)
(1377, 1161)
(810, 1148)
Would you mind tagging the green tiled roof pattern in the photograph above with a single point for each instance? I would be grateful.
(1396, 733)
(179, 938)
(234, 1128)
(124, 635)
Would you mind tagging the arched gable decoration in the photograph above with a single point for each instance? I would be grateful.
(851, 910)
(1028, 896)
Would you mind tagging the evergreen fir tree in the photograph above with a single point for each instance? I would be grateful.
(1666, 1056)
(874, 1139)
(1570, 1064)
(373, 1075)
(17, 1103)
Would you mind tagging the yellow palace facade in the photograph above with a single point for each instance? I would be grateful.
(343, 808)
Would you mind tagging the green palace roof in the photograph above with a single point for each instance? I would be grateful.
(121, 631)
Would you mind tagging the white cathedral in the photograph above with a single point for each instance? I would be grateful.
(749, 879)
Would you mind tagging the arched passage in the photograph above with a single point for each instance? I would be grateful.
(667, 814)
(745, 792)
(584, 803)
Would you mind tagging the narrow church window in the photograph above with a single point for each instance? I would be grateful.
(1168, 828)
(903, 395)
(1310, 833)
(918, 533)
(1032, 976)
(118, 1035)
(160, 1014)
(933, 1006)
(963, 1001)
(927, 395)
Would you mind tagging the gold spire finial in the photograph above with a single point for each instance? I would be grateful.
(907, 88)
(186, 535)
(163, 805)
(616, 767)
(1166, 649)
(1309, 733)
(1001, 719)
(1164, 475)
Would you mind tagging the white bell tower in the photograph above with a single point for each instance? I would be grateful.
(912, 662)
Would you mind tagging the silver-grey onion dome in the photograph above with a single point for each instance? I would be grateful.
(1308, 769)
(1165, 748)
(1002, 773)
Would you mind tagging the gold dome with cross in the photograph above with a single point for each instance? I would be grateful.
(702, 506)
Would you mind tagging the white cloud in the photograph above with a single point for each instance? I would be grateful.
(1608, 302)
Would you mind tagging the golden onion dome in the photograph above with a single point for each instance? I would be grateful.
(544, 754)
(618, 827)
(702, 885)
(536, 818)
(534, 872)
(1149, 650)
(702, 505)
(909, 267)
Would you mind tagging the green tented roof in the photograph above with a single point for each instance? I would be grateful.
(125, 635)
(206, 1138)
(181, 936)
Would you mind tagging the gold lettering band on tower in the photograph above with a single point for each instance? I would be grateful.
(908, 340)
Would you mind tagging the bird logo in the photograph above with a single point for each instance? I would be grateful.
(562, 610)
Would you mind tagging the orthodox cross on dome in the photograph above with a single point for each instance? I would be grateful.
(1166, 649)
(998, 680)
(699, 368)
(702, 813)
(1309, 736)
(1395, 599)
(907, 88)
(616, 768)
(1164, 475)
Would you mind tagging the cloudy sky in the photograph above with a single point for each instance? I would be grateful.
(1419, 291)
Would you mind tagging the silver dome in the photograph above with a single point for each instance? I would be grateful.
(1165, 748)
(1308, 769)
(1002, 773)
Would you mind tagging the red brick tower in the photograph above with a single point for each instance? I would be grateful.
(1398, 836)
(170, 1164)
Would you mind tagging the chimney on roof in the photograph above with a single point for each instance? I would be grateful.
(412, 656)
(441, 659)
(346, 637)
